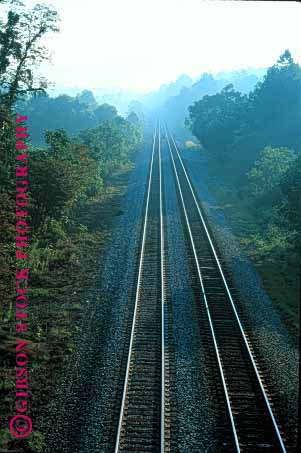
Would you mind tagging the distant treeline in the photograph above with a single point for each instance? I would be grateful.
(73, 114)
(174, 107)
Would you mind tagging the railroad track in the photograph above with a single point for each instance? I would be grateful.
(251, 419)
(145, 421)
(142, 420)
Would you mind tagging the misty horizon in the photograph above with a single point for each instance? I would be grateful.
(119, 89)
(104, 51)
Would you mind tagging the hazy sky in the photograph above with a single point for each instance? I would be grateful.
(140, 44)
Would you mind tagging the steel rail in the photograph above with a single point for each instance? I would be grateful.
(162, 445)
(205, 300)
(228, 293)
(147, 218)
(116, 450)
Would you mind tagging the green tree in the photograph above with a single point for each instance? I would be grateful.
(63, 112)
(133, 118)
(22, 49)
(215, 120)
(87, 97)
(105, 112)
(60, 177)
(269, 169)
(291, 188)
(111, 143)
(139, 109)
(9, 46)
(275, 105)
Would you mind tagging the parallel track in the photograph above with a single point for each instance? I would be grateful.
(144, 417)
(141, 426)
(251, 418)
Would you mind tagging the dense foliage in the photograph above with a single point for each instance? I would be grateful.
(175, 108)
(22, 49)
(253, 142)
(73, 114)
(266, 174)
(235, 127)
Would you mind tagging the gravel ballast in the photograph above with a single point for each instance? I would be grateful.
(195, 420)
